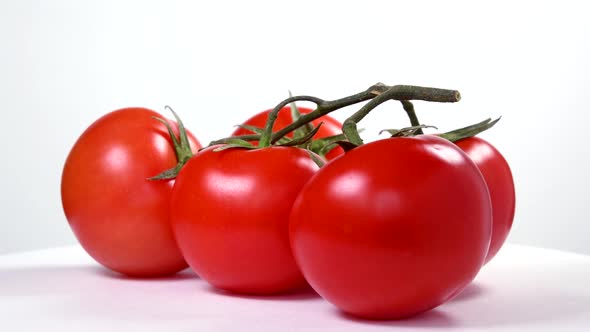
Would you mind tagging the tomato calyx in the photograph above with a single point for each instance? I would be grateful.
(406, 132)
(346, 145)
(257, 130)
(323, 146)
(243, 141)
(453, 135)
(237, 142)
(320, 146)
(181, 144)
(295, 115)
(303, 139)
(300, 142)
(234, 143)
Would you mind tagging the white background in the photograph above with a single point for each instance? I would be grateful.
(65, 63)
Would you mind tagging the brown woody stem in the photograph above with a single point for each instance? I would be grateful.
(396, 92)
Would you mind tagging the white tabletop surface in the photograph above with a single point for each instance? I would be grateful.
(523, 289)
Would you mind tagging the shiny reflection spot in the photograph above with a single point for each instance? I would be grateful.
(446, 153)
(229, 184)
(117, 158)
(349, 184)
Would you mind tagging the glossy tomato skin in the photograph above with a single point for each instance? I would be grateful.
(330, 126)
(393, 228)
(496, 172)
(230, 214)
(118, 216)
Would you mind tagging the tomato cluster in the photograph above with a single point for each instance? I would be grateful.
(385, 230)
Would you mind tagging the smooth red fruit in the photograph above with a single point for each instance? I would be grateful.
(119, 217)
(230, 214)
(498, 177)
(330, 126)
(392, 228)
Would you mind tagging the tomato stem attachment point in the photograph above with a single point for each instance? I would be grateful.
(409, 108)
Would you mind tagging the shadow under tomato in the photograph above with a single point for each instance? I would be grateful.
(182, 275)
(472, 291)
(431, 319)
(65, 291)
(41, 280)
(302, 294)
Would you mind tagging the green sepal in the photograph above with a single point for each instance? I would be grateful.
(324, 145)
(346, 145)
(181, 145)
(259, 131)
(316, 159)
(284, 140)
(469, 131)
(233, 146)
(169, 173)
(254, 129)
(184, 143)
(326, 149)
(405, 132)
(170, 132)
(235, 143)
(304, 139)
(295, 115)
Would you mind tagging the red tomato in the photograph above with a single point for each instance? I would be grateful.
(230, 214)
(330, 126)
(392, 228)
(120, 217)
(497, 174)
